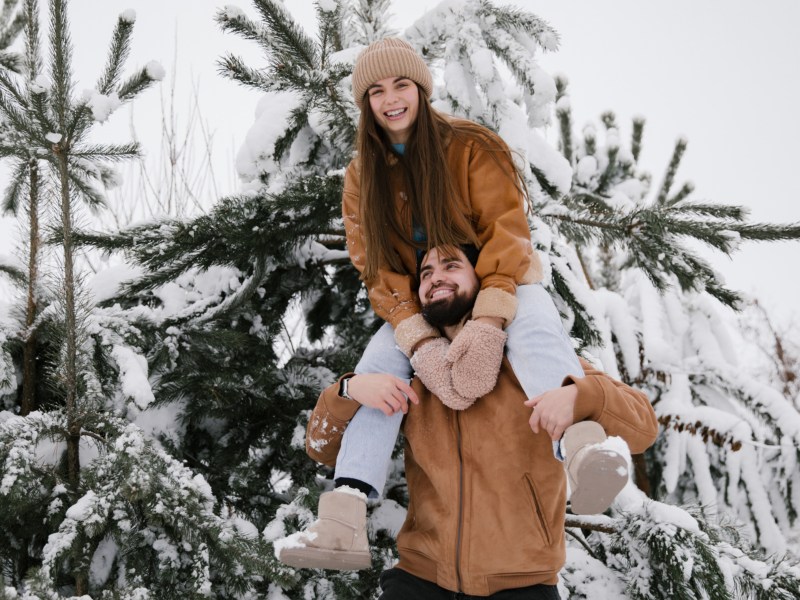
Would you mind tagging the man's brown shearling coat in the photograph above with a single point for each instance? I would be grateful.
(486, 496)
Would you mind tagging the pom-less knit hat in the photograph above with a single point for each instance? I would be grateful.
(389, 57)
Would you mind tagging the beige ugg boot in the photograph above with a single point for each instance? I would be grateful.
(336, 540)
(596, 474)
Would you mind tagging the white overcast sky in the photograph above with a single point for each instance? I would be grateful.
(724, 74)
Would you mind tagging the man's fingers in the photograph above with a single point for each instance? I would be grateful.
(408, 391)
(532, 402)
(534, 422)
(400, 400)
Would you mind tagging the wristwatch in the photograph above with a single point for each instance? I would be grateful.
(343, 388)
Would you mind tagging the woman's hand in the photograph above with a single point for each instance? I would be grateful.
(554, 410)
(476, 354)
(385, 392)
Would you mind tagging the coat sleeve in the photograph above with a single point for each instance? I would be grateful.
(327, 423)
(391, 294)
(620, 409)
(498, 210)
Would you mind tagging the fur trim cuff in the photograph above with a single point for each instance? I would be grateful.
(411, 331)
(494, 302)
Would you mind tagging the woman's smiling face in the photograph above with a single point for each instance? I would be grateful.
(394, 102)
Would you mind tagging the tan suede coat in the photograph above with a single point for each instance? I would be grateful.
(487, 498)
(490, 200)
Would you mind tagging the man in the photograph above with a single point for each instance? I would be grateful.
(487, 497)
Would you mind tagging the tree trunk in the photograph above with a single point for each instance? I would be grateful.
(29, 351)
(70, 368)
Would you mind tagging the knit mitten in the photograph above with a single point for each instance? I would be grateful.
(433, 369)
(476, 355)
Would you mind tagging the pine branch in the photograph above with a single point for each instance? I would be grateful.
(297, 120)
(93, 198)
(13, 273)
(110, 152)
(61, 61)
(33, 58)
(117, 55)
(233, 67)
(135, 84)
(636, 138)
(40, 112)
(681, 194)
(288, 39)
(511, 18)
(767, 232)
(564, 116)
(330, 34)
(15, 188)
(245, 27)
(609, 172)
(11, 61)
(672, 169)
(9, 86)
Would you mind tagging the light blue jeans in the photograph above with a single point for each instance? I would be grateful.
(538, 348)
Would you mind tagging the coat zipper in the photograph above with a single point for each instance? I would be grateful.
(460, 502)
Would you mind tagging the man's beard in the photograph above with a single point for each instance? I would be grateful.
(449, 311)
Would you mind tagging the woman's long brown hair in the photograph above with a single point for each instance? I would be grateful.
(433, 197)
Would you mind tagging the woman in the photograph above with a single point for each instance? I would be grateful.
(425, 180)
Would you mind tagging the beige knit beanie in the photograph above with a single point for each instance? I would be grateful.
(386, 58)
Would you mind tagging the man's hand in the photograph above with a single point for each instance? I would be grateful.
(554, 410)
(385, 392)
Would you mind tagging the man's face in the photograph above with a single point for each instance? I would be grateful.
(448, 287)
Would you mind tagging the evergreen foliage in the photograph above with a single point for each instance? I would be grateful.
(88, 503)
(197, 373)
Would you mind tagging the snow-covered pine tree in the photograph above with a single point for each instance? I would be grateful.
(88, 502)
(217, 291)
(730, 441)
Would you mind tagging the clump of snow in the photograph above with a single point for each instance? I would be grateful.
(232, 12)
(102, 106)
(53, 138)
(327, 5)
(155, 71)
(257, 154)
(41, 84)
(102, 561)
(83, 508)
(388, 517)
(133, 376)
(128, 15)
(587, 168)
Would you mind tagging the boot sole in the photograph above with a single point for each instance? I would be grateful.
(309, 557)
(601, 479)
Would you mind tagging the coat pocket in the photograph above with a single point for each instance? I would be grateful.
(537, 510)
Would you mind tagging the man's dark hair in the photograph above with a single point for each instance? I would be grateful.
(470, 251)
